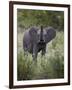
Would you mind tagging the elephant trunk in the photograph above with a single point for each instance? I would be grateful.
(41, 34)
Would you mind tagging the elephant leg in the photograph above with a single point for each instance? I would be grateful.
(34, 55)
(26, 53)
(43, 51)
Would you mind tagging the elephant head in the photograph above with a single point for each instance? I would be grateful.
(33, 34)
(50, 34)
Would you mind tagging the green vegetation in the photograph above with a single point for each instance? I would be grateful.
(51, 65)
(28, 18)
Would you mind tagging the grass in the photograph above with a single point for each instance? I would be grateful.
(49, 66)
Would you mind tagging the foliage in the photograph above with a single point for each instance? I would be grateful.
(27, 18)
(49, 66)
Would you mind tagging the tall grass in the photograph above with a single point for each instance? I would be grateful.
(49, 66)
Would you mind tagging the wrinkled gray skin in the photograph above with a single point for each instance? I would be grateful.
(36, 40)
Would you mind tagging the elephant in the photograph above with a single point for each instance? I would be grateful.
(35, 40)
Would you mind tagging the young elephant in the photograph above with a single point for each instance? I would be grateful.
(35, 40)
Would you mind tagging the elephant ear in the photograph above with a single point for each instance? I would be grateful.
(33, 33)
(50, 34)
